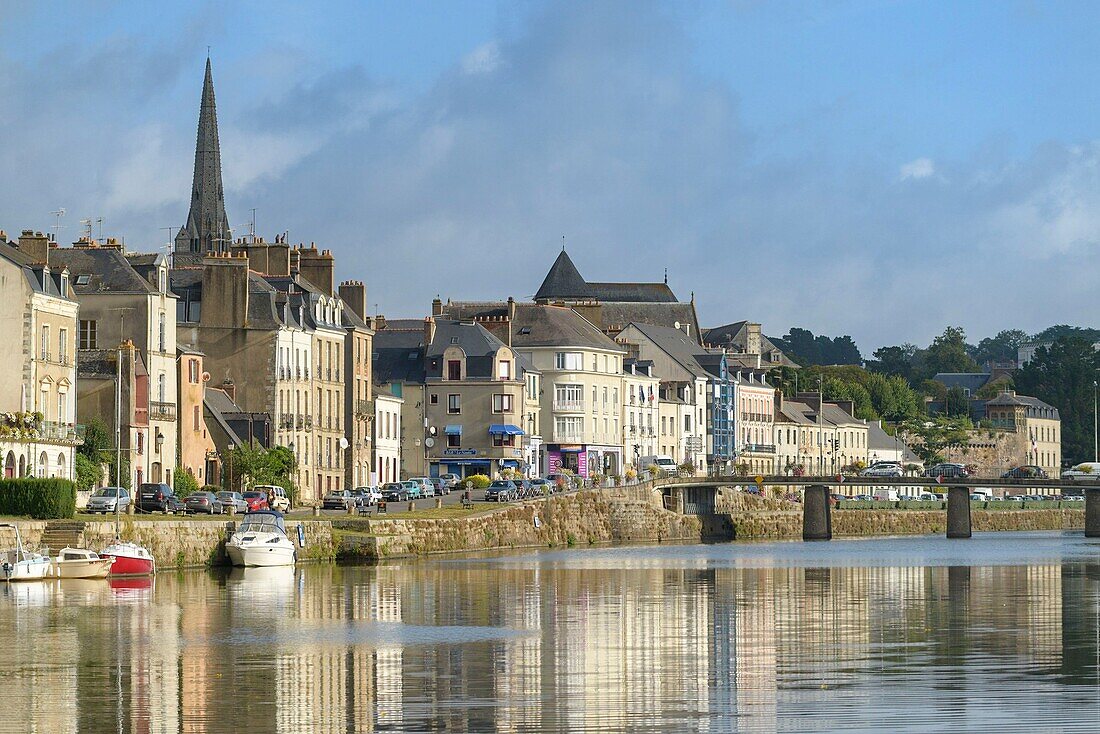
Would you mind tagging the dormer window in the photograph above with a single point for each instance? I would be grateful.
(83, 279)
(162, 280)
(64, 284)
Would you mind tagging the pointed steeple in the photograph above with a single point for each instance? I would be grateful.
(207, 227)
(563, 282)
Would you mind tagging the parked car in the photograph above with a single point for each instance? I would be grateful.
(427, 489)
(158, 498)
(542, 487)
(277, 498)
(1028, 471)
(207, 502)
(502, 490)
(1089, 471)
(341, 499)
(104, 500)
(947, 470)
(366, 496)
(441, 487)
(255, 500)
(394, 492)
(450, 481)
(567, 482)
(233, 499)
(413, 489)
(882, 469)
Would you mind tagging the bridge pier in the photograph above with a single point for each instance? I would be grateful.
(1092, 512)
(958, 512)
(817, 518)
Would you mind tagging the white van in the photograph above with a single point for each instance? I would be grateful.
(886, 495)
(664, 463)
(276, 496)
(1086, 472)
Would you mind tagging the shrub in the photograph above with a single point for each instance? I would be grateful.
(42, 499)
(88, 472)
(480, 481)
(184, 483)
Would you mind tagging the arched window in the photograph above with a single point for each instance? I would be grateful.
(9, 466)
(61, 466)
(43, 465)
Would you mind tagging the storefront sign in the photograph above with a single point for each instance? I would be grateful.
(460, 452)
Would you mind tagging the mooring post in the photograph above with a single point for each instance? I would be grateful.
(1092, 512)
(817, 517)
(958, 512)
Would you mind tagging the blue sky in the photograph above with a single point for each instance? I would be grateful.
(879, 169)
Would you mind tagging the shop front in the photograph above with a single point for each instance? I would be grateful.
(584, 460)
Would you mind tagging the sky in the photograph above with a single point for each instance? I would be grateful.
(878, 169)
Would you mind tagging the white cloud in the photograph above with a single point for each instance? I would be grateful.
(920, 168)
(482, 60)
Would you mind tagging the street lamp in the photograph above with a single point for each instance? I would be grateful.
(1095, 451)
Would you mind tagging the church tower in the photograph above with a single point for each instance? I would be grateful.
(207, 227)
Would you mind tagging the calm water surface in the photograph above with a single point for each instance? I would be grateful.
(999, 633)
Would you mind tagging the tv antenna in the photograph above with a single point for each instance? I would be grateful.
(252, 227)
(58, 226)
(99, 224)
(86, 225)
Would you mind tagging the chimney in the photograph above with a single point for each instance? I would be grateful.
(319, 268)
(229, 389)
(225, 290)
(34, 245)
(379, 322)
(511, 317)
(429, 331)
(752, 339)
(437, 307)
(278, 259)
(354, 295)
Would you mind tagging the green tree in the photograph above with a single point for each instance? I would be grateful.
(183, 483)
(1001, 348)
(250, 466)
(1063, 376)
(88, 472)
(956, 404)
(98, 441)
(948, 353)
(934, 435)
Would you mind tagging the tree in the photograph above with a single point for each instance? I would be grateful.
(897, 360)
(803, 347)
(253, 465)
(948, 353)
(98, 441)
(935, 435)
(88, 472)
(955, 403)
(1001, 348)
(183, 483)
(1063, 375)
(1060, 331)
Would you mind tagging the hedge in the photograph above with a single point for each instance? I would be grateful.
(42, 499)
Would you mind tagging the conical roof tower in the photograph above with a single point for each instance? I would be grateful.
(207, 227)
(563, 282)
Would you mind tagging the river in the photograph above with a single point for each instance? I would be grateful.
(997, 633)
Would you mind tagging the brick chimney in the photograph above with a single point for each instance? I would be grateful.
(230, 389)
(437, 307)
(225, 290)
(34, 245)
(429, 331)
(511, 317)
(278, 259)
(354, 295)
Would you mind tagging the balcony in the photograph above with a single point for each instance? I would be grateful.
(161, 411)
(566, 405)
(364, 410)
(300, 422)
(67, 432)
(309, 423)
(568, 437)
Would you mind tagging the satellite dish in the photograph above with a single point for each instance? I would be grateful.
(429, 442)
(432, 430)
(343, 442)
(676, 325)
(206, 377)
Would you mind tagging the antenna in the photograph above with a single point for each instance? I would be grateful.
(86, 225)
(563, 243)
(99, 221)
(252, 227)
(666, 276)
(58, 226)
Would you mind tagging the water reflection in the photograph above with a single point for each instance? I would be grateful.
(686, 638)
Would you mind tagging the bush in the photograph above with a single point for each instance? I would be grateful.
(42, 499)
(183, 483)
(88, 472)
(480, 481)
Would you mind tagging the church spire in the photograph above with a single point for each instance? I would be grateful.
(207, 227)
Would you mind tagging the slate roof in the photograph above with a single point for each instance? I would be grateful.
(686, 351)
(877, 438)
(1036, 408)
(108, 271)
(563, 281)
(557, 326)
(99, 363)
(34, 273)
(398, 355)
(264, 309)
(633, 292)
(972, 381)
(219, 404)
(477, 342)
(795, 412)
(734, 338)
(617, 314)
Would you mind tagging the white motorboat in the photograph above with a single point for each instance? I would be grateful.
(79, 563)
(261, 540)
(19, 564)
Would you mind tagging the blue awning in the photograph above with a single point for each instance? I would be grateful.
(509, 463)
(465, 462)
(453, 430)
(505, 429)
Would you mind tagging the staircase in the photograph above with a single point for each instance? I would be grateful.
(62, 534)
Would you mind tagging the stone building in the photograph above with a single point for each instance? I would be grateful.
(125, 297)
(197, 452)
(641, 409)
(38, 318)
(386, 439)
(746, 346)
(818, 438)
(359, 411)
(754, 416)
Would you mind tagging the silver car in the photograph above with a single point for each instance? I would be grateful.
(234, 500)
(106, 499)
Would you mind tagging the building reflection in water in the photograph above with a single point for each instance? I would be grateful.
(328, 649)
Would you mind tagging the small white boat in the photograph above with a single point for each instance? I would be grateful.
(19, 564)
(80, 563)
(261, 540)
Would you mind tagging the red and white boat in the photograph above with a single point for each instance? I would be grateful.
(131, 559)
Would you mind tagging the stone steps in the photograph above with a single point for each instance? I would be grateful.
(62, 534)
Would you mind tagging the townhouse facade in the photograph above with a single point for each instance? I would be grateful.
(198, 455)
(641, 410)
(387, 431)
(754, 413)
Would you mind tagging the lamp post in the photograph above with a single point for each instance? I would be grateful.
(1095, 451)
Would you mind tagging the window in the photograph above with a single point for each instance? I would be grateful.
(88, 334)
(595, 395)
(605, 363)
(197, 418)
(454, 369)
(63, 345)
(454, 403)
(161, 327)
(454, 440)
(193, 371)
(502, 403)
(503, 440)
(45, 347)
(160, 387)
(595, 363)
(62, 407)
(433, 399)
(83, 279)
(687, 424)
(504, 370)
(568, 361)
(141, 443)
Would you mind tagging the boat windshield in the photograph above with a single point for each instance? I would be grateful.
(263, 522)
